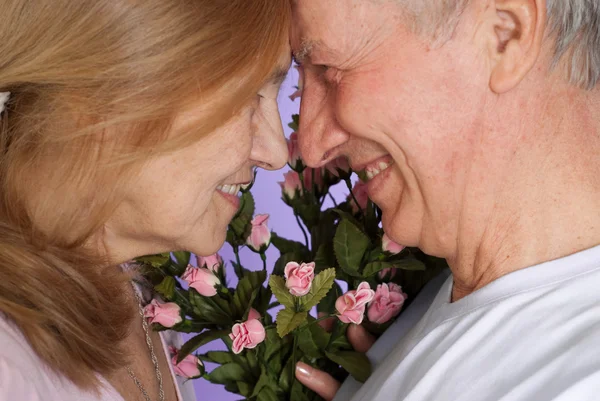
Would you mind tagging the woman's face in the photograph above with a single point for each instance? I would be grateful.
(186, 199)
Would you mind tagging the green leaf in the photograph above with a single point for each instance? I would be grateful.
(356, 363)
(198, 341)
(375, 267)
(307, 344)
(220, 357)
(158, 260)
(297, 393)
(210, 308)
(288, 320)
(321, 285)
(411, 264)
(240, 224)
(246, 292)
(166, 288)
(263, 381)
(350, 244)
(324, 257)
(287, 246)
(182, 258)
(267, 395)
(287, 375)
(281, 292)
(327, 304)
(273, 343)
(245, 388)
(228, 373)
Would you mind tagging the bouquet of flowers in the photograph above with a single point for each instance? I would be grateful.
(345, 271)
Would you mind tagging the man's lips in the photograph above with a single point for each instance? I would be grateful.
(374, 165)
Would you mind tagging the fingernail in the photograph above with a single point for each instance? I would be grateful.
(303, 369)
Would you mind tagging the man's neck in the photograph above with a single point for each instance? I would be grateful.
(546, 200)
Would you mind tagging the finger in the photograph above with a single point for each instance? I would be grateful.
(360, 338)
(327, 324)
(316, 380)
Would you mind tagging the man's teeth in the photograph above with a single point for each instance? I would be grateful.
(373, 171)
(229, 189)
(246, 186)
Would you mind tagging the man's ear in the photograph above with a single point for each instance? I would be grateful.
(516, 41)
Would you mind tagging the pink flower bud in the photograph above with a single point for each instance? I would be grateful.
(313, 179)
(361, 195)
(387, 303)
(212, 262)
(260, 236)
(202, 280)
(299, 278)
(390, 273)
(291, 185)
(337, 166)
(294, 157)
(390, 246)
(247, 335)
(351, 305)
(190, 367)
(253, 314)
(165, 314)
(298, 93)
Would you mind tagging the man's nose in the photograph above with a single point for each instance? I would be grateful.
(320, 136)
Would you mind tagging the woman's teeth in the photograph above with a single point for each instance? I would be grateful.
(373, 171)
(230, 189)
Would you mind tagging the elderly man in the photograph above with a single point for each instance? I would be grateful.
(477, 123)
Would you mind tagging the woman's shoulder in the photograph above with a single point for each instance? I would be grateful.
(23, 376)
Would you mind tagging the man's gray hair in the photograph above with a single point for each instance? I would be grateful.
(573, 24)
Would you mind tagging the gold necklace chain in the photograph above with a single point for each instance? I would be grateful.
(138, 383)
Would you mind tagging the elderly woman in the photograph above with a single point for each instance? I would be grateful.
(127, 128)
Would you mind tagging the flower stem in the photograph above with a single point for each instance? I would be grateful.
(349, 185)
(333, 199)
(302, 229)
(320, 319)
(263, 257)
(236, 250)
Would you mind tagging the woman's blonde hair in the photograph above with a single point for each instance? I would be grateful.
(91, 81)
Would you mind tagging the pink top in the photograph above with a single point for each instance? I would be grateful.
(24, 377)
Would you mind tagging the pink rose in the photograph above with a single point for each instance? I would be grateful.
(313, 179)
(338, 165)
(165, 314)
(390, 246)
(299, 278)
(260, 236)
(294, 157)
(202, 280)
(247, 335)
(360, 193)
(387, 303)
(291, 185)
(351, 305)
(190, 367)
(212, 262)
(298, 92)
(253, 314)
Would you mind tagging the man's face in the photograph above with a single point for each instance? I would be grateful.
(405, 112)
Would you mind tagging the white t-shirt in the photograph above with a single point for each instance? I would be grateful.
(532, 335)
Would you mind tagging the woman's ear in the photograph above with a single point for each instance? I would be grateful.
(516, 37)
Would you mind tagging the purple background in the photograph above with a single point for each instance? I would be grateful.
(267, 194)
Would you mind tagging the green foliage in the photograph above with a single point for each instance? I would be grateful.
(198, 341)
(288, 320)
(281, 292)
(321, 285)
(350, 245)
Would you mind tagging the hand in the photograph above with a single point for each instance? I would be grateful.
(321, 382)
